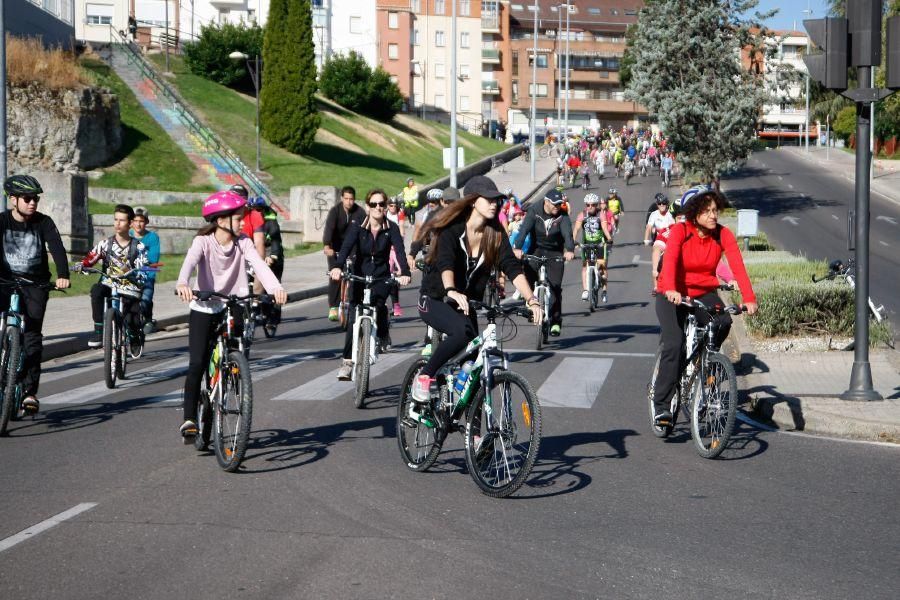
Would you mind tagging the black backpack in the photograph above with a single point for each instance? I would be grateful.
(132, 252)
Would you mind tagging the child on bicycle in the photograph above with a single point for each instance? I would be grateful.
(121, 256)
(219, 254)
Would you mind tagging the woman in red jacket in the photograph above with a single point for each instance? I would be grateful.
(693, 251)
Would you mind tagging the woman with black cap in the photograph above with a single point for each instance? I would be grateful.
(468, 242)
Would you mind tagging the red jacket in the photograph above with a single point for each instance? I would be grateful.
(689, 264)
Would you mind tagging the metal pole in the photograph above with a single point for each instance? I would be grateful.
(256, 81)
(872, 129)
(167, 36)
(533, 93)
(192, 21)
(828, 137)
(453, 158)
(861, 387)
(558, 74)
(808, 12)
(2, 93)
(566, 119)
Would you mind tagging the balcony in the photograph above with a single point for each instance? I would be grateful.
(230, 4)
(490, 88)
(490, 57)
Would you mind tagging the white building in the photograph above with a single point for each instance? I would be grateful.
(786, 114)
(94, 18)
(342, 26)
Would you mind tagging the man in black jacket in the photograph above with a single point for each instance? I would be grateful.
(336, 223)
(26, 235)
(551, 230)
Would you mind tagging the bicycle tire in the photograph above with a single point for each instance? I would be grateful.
(544, 151)
(110, 353)
(592, 292)
(344, 305)
(492, 468)
(362, 363)
(9, 363)
(230, 442)
(712, 418)
(660, 432)
(204, 422)
(540, 327)
(419, 444)
(123, 350)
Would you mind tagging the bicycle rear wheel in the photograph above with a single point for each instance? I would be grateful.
(713, 405)
(362, 362)
(419, 444)
(503, 434)
(233, 412)
(110, 352)
(9, 367)
(204, 422)
(660, 432)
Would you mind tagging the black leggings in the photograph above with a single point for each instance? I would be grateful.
(671, 324)
(201, 340)
(459, 329)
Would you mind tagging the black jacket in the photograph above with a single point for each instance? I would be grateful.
(373, 253)
(337, 222)
(549, 233)
(25, 245)
(452, 254)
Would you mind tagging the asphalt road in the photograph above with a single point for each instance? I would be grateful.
(324, 507)
(804, 209)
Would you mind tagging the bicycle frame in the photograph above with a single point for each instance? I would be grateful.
(365, 312)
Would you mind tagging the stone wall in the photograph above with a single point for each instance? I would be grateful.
(70, 130)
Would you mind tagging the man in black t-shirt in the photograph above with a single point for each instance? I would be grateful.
(336, 223)
(25, 236)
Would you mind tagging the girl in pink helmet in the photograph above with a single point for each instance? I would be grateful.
(219, 254)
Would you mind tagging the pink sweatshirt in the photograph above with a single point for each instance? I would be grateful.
(223, 269)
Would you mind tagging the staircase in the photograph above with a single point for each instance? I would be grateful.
(200, 144)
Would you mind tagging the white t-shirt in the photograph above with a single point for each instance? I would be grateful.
(661, 223)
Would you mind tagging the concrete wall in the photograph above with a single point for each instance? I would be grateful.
(309, 205)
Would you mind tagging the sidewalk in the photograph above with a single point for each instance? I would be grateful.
(67, 325)
(887, 172)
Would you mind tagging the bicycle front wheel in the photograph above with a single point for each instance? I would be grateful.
(503, 434)
(544, 151)
(541, 326)
(344, 305)
(592, 288)
(123, 351)
(233, 412)
(9, 367)
(110, 351)
(713, 405)
(362, 362)
(419, 443)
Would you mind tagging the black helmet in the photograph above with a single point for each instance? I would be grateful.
(661, 199)
(20, 185)
(240, 190)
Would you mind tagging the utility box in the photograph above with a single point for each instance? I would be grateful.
(748, 222)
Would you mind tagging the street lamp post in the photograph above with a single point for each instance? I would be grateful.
(454, 163)
(568, 12)
(808, 13)
(533, 93)
(2, 93)
(558, 66)
(253, 67)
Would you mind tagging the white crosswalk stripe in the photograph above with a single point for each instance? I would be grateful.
(148, 375)
(327, 386)
(575, 382)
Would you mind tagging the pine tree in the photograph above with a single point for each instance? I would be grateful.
(687, 71)
(289, 117)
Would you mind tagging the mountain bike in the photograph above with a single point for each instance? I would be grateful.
(226, 401)
(544, 295)
(706, 387)
(838, 270)
(496, 409)
(591, 252)
(365, 342)
(12, 349)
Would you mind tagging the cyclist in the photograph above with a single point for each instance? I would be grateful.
(151, 242)
(394, 215)
(596, 228)
(572, 167)
(410, 200)
(27, 235)
(665, 167)
(220, 254)
(253, 220)
(616, 206)
(468, 243)
(551, 231)
(432, 204)
(659, 224)
(373, 240)
(122, 255)
(274, 256)
(336, 224)
(618, 159)
(693, 251)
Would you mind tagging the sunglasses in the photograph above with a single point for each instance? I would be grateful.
(377, 204)
(29, 199)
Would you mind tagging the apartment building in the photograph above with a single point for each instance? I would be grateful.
(51, 20)
(342, 26)
(395, 26)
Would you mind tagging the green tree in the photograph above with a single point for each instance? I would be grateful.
(208, 55)
(385, 99)
(686, 73)
(289, 117)
(844, 125)
(627, 62)
(345, 79)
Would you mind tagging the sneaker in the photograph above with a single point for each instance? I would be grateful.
(426, 351)
(398, 312)
(663, 418)
(150, 327)
(384, 343)
(584, 295)
(421, 389)
(333, 313)
(603, 297)
(345, 371)
(554, 330)
(96, 340)
(30, 405)
(188, 431)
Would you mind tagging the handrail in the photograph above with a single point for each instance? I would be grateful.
(209, 138)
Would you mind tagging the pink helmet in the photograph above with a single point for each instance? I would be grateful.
(222, 203)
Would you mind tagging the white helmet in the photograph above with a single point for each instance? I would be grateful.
(592, 199)
(434, 194)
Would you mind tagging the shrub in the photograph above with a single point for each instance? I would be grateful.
(349, 81)
(385, 99)
(28, 62)
(208, 56)
(845, 124)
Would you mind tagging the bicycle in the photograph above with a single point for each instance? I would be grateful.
(592, 252)
(544, 295)
(706, 387)
(549, 148)
(344, 302)
(365, 342)
(837, 269)
(226, 401)
(12, 350)
(466, 400)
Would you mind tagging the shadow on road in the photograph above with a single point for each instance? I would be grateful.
(771, 202)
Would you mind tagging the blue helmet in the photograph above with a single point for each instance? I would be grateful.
(688, 195)
(256, 202)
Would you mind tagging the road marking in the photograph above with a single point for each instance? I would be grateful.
(791, 186)
(883, 243)
(792, 220)
(637, 260)
(328, 387)
(780, 178)
(890, 220)
(96, 391)
(835, 217)
(53, 521)
(574, 383)
(525, 351)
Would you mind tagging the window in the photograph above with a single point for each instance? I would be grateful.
(99, 14)
(465, 8)
(439, 8)
(318, 3)
(393, 51)
(439, 39)
(630, 12)
(417, 68)
(439, 101)
(417, 100)
(515, 92)
(439, 70)
(415, 37)
(614, 11)
(416, 6)
(355, 24)
(464, 104)
(518, 7)
(464, 39)
(541, 61)
(541, 90)
(393, 21)
(594, 11)
(464, 72)
(515, 62)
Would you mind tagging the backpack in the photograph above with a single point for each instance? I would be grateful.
(132, 252)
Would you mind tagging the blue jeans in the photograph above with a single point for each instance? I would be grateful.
(147, 299)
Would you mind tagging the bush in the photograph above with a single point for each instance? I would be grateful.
(845, 124)
(28, 62)
(349, 81)
(208, 56)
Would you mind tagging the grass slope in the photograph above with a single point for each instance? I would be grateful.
(148, 158)
(402, 152)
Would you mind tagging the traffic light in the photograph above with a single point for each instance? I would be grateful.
(893, 53)
(864, 22)
(830, 67)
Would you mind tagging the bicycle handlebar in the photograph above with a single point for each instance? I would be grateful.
(732, 309)
(204, 295)
(22, 281)
(543, 259)
(499, 309)
(365, 278)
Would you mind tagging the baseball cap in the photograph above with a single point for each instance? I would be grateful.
(142, 212)
(554, 197)
(451, 194)
(484, 187)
